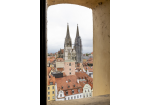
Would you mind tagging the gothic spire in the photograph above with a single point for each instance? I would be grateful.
(67, 39)
(67, 34)
(77, 34)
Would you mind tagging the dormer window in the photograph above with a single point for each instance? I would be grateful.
(62, 87)
(79, 90)
(72, 91)
(66, 92)
(51, 83)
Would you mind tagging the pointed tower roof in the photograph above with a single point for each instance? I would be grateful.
(68, 38)
(67, 34)
(77, 34)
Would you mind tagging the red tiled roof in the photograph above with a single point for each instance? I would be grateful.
(60, 69)
(52, 57)
(73, 81)
(90, 62)
(92, 53)
(48, 70)
(64, 75)
(59, 59)
(81, 75)
(89, 68)
(51, 79)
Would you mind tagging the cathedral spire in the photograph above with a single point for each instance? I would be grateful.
(68, 38)
(77, 34)
(67, 34)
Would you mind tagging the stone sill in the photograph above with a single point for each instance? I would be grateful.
(98, 100)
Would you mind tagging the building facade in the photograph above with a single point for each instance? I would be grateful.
(51, 88)
(59, 63)
(69, 67)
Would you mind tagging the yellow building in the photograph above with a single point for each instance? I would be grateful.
(51, 89)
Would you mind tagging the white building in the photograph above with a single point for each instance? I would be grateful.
(87, 92)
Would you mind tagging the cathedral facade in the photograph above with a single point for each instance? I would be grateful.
(74, 53)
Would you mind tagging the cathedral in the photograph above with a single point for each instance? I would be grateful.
(74, 53)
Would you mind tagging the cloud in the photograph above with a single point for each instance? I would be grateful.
(59, 15)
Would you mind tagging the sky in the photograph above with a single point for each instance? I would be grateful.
(58, 16)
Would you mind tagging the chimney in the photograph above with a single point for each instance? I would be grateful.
(77, 80)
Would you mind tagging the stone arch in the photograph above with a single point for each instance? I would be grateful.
(101, 41)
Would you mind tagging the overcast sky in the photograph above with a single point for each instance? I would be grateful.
(59, 15)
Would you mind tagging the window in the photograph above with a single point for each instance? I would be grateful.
(48, 98)
(48, 93)
(67, 94)
(73, 85)
(71, 97)
(70, 69)
(90, 94)
(79, 90)
(74, 97)
(88, 90)
(68, 86)
(70, 73)
(85, 90)
(78, 96)
(48, 88)
(68, 98)
(84, 95)
(51, 83)
(52, 92)
(69, 64)
(62, 87)
(53, 97)
(72, 91)
(53, 87)
(60, 95)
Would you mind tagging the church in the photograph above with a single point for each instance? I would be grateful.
(73, 51)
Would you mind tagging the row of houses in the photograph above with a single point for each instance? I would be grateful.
(70, 87)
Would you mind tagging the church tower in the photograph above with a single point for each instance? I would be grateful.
(78, 47)
(67, 45)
